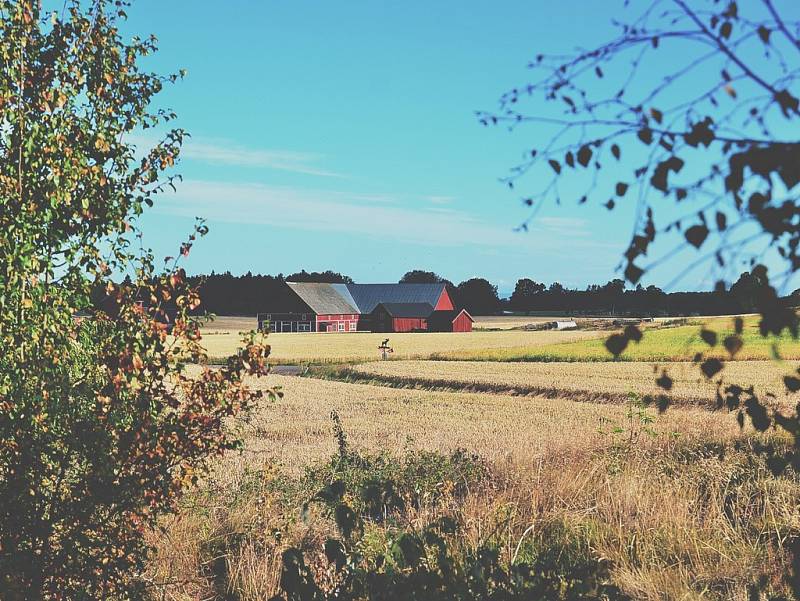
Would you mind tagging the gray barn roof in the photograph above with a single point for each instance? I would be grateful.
(408, 309)
(369, 296)
(324, 299)
(345, 294)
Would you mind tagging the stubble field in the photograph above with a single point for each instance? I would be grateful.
(600, 382)
(571, 462)
(361, 346)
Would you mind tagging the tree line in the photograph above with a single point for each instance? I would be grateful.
(248, 294)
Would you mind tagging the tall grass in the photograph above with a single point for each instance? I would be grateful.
(675, 522)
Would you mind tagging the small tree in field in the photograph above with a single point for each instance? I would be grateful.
(692, 113)
(101, 427)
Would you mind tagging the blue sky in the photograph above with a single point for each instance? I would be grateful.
(342, 136)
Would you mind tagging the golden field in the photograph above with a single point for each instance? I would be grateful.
(507, 322)
(566, 444)
(648, 492)
(592, 380)
(296, 430)
(348, 347)
(662, 342)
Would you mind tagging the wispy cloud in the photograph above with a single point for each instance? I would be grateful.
(225, 152)
(440, 200)
(564, 226)
(336, 211)
(229, 154)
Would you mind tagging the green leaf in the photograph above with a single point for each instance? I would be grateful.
(792, 384)
(645, 135)
(616, 343)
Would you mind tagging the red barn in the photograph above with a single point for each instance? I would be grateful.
(401, 317)
(320, 307)
(368, 296)
(313, 307)
(451, 321)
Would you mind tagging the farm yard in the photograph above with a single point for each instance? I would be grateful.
(528, 455)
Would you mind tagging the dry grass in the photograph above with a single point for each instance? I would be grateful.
(334, 348)
(508, 322)
(652, 504)
(296, 430)
(596, 381)
(227, 324)
(656, 505)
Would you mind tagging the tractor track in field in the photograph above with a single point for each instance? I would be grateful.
(349, 375)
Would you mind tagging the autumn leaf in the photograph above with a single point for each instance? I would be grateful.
(696, 235)
(711, 367)
(584, 155)
(645, 135)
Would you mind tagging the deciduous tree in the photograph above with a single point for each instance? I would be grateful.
(101, 426)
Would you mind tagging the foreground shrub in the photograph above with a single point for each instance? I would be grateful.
(430, 561)
(662, 520)
(100, 427)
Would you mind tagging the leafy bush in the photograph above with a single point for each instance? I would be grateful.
(431, 561)
(383, 483)
(101, 427)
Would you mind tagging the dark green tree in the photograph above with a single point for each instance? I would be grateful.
(747, 288)
(328, 277)
(419, 276)
(524, 292)
(478, 296)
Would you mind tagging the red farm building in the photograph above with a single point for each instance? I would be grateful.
(318, 307)
(312, 307)
(451, 321)
(401, 317)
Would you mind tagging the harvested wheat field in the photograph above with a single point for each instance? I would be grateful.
(508, 322)
(229, 324)
(587, 381)
(333, 348)
(639, 495)
(296, 430)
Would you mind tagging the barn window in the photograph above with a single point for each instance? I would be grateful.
(341, 326)
(352, 326)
